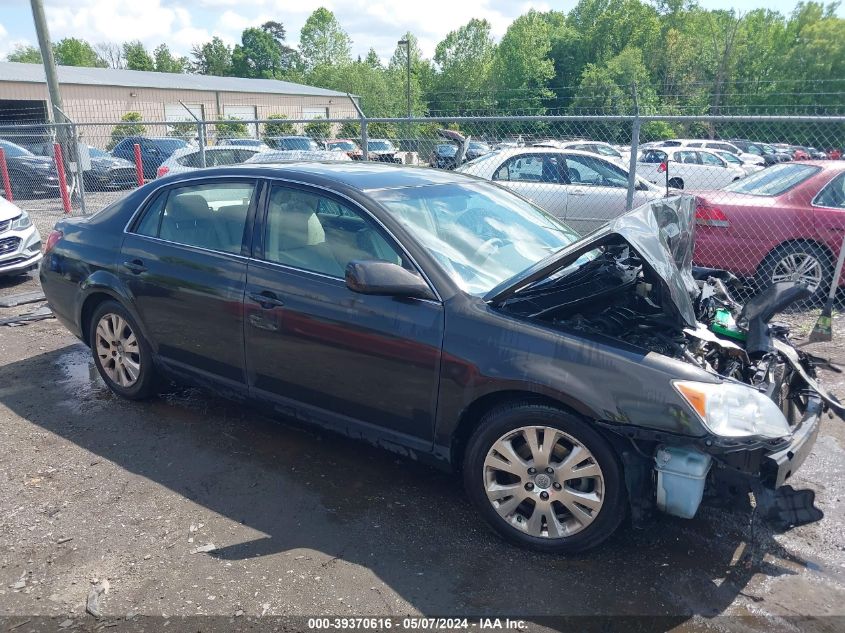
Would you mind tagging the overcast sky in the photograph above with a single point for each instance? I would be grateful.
(181, 23)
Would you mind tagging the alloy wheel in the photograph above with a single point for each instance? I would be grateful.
(117, 349)
(802, 267)
(544, 482)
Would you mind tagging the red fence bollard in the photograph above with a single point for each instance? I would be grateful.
(4, 171)
(60, 169)
(139, 166)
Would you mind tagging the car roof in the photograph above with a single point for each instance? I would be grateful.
(363, 176)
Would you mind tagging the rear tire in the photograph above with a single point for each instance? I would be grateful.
(560, 488)
(121, 354)
(801, 261)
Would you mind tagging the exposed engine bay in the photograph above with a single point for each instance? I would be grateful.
(632, 284)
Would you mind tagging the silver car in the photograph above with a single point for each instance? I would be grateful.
(581, 188)
(20, 242)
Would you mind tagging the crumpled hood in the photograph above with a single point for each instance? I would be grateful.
(661, 231)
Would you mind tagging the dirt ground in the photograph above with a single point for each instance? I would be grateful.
(190, 505)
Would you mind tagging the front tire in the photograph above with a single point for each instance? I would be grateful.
(544, 479)
(121, 354)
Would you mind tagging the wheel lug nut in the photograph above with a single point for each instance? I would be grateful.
(556, 485)
(531, 471)
(529, 486)
(549, 470)
(544, 495)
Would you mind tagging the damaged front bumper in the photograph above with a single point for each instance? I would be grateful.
(778, 466)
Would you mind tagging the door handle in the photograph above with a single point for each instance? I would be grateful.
(266, 299)
(136, 266)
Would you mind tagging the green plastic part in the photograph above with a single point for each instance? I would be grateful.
(725, 325)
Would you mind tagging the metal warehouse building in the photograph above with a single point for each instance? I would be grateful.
(103, 95)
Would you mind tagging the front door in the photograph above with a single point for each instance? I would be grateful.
(598, 191)
(323, 352)
(184, 266)
(536, 177)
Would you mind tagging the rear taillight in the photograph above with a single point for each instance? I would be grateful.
(52, 240)
(710, 216)
(162, 171)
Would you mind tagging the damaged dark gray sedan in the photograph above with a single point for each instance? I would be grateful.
(572, 381)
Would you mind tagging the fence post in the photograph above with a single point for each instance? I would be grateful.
(635, 145)
(365, 154)
(7, 184)
(139, 165)
(60, 169)
(80, 173)
(201, 140)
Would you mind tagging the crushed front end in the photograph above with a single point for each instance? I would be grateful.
(633, 282)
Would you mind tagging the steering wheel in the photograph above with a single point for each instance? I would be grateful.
(483, 252)
(472, 219)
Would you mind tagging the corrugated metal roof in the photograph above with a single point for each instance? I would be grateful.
(34, 73)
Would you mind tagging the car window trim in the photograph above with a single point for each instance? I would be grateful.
(130, 227)
(261, 223)
(813, 202)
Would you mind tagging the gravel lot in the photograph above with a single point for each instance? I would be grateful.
(303, 523)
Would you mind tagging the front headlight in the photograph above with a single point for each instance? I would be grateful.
(21, 222)
(734, 410)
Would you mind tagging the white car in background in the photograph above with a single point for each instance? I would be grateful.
(20, 242)
(605, 150)
(190, 158)
(713, 145)
(688, 168)
(581, 188)
(736, 161)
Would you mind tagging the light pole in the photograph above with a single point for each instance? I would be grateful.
(407, 43)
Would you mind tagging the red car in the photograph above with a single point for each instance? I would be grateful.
(785, 222)
(345, 145)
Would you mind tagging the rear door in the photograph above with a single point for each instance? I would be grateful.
(183, 262)
(322, 352)
(538, 178)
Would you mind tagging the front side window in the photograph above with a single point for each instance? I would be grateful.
(654, 156)
(479, 233)
(833, 195)
(710, 159)
(773, 181)
(585, 170)
(211, 216)
(320, 234)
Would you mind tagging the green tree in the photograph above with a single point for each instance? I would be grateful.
(279, 127)
(464, 59)
(25, 55)
(318, 128)
(349, 129)
(130, 126)
(72, 51)
(522, 68)
(322, 41)
(165, 62)
(183, 129)
(230, 127)
(212, 58)
(258, 55)
(137, 57)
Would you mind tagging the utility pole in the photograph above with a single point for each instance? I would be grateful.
(46, 47)
(407, 43)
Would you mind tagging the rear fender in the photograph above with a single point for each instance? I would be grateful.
(106, 282)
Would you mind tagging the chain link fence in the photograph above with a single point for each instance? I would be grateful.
(771, 188)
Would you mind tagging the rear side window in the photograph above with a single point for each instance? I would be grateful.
(211, 216)
(833, 195)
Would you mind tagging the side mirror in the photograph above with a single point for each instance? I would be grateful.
(371, 277)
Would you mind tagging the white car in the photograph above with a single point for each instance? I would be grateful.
(713, 145)
(190, 158)
(578, 187)
(20, 242)
(736, 161)
(605, 150)
(688, 168)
